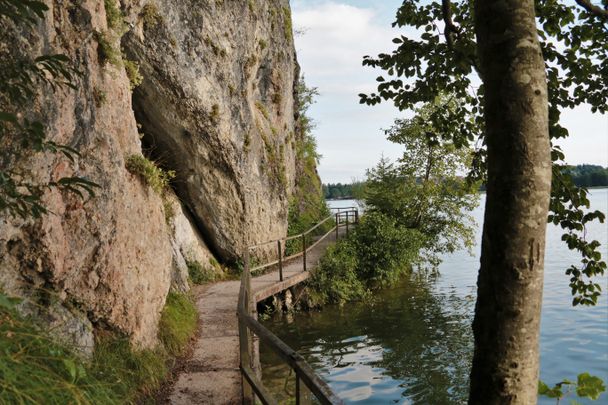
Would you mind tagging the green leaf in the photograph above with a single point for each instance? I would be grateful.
(589, 386)
(71, 368)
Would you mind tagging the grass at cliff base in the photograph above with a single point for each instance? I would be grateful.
(36, 369)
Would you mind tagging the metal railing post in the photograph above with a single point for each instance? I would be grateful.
(303, 396)
(298, 402)
(337, 226)
(304, 250)
(280, 261)
(347, 224)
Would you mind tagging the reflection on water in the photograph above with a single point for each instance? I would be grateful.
(409, 342)
(413, 343)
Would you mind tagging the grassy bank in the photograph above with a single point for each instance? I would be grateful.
(35, 368)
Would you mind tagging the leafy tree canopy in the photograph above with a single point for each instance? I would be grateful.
(437, 55)
(342, 191)
(425, 189)
(588, 175)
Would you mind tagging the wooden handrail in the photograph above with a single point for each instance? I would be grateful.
(344, 208)
(288, 238)
(294, 360)
(248, 324)
(282, 259)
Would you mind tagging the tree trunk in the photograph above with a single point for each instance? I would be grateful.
(507, 314)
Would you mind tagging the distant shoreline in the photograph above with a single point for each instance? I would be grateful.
(480, 192)
(340, 199)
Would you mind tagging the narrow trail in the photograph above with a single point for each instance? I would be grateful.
(211, 375)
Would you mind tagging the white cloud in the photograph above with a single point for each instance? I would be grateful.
(337, 35)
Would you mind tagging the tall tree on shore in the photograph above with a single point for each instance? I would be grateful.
(509, 288)
(528, 75)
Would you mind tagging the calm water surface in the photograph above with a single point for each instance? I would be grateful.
(413, 343)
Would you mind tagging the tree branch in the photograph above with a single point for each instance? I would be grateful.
(593, 9)
(452, 30)
(450, 27)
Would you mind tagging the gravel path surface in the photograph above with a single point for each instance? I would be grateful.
(211, 375)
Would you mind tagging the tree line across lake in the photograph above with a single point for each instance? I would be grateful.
(584, 175)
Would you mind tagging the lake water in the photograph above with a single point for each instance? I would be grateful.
(413, 343)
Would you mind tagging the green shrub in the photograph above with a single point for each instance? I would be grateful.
(199, 274)
(376, 254)
(307, 205)
(277, 98)
(178, 323)
(385, 250)
(335, 280)
(132, 69)
(153, 175)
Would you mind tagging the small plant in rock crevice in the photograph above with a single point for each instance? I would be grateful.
(132, 69)
(114, 17)
(288, 25)
(150, 16)
(215, 113)
(155, 177)
(108, 53)
(247, 143)
(262, 108)
(198, 273)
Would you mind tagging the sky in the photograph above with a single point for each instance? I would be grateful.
(331, 39)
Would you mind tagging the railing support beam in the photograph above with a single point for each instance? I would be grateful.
(337, 226)
(304, 251)
(347, 224)
(280, 260)
(245, 341)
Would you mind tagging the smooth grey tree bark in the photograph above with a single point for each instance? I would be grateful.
(507, 314)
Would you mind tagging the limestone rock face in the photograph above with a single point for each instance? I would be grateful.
(187, 246)
(108, 257)
(215, 105)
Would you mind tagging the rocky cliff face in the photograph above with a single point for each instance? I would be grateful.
(215, 105)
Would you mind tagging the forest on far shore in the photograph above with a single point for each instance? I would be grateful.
(584, 175)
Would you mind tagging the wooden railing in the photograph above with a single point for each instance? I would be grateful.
(248, 325)
(342, 218)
